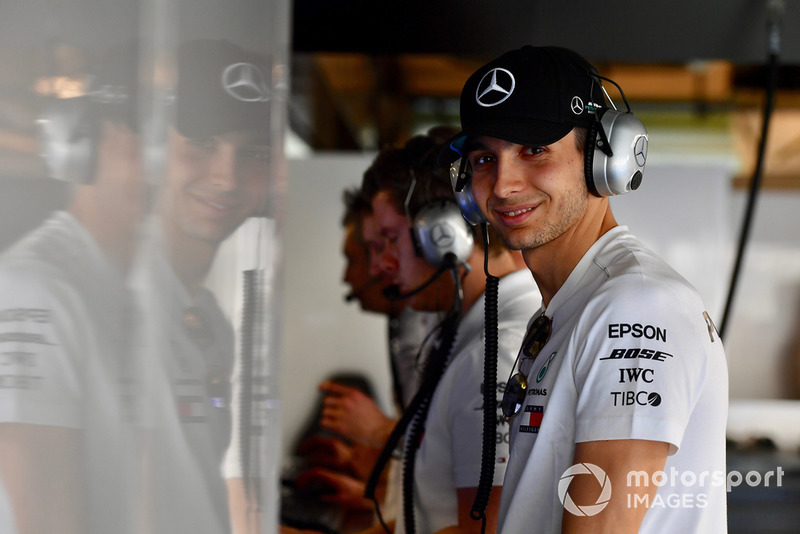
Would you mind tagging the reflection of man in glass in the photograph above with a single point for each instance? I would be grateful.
(215, 178)
(65, 318)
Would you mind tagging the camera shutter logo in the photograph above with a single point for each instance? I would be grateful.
(584, 469)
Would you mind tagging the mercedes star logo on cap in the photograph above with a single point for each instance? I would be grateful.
(243, 81)
(497, 89)
(577, 105)
(442, 235)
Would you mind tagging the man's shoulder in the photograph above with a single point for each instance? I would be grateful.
(631, 267)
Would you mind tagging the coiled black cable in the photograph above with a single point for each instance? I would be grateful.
(486, 482)
(434, 369)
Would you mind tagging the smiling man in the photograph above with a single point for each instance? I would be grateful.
(622, 374)
(215, 178)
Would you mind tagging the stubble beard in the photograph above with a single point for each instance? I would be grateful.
(567, 214)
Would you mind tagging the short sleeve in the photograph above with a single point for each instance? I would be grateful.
(642, 362)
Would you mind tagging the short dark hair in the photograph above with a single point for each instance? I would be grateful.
(393, 169)
(581, 137)
(356, 206)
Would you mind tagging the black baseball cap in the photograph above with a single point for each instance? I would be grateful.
(220, 88)
(530, 96)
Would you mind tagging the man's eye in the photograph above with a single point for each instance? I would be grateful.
(534, 150)
(481, 161)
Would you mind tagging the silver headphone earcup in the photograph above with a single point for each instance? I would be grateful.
(628, 141)
(440, 230)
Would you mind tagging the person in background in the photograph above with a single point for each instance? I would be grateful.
(351, 429)
(426, 249)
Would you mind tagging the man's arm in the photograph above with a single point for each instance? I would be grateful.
(41, 468)
(617, 458)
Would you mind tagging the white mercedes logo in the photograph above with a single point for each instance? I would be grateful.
(243, 81)
(577, 105)
(497, 89)
(640, 151)
(442, 235)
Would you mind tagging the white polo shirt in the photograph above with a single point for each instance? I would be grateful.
(449, 456)
(632, 355)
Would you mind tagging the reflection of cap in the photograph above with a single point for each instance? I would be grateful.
(221, 88)
(532, 96)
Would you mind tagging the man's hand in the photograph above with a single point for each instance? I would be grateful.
(353, 415)
(332, 487)
(330, 452)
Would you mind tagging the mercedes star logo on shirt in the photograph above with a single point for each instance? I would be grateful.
(243, 81)
(495, 87)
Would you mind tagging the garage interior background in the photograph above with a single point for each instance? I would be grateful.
(369, 75)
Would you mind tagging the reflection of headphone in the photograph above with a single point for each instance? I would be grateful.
(68, 136)
(615, 155)
(438, 231)
(69, 128)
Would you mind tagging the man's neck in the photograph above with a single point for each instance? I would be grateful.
(552, 263)
(191, 259)
(118, 242)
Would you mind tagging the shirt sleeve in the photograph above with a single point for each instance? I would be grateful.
(640, 368)
(42, 347)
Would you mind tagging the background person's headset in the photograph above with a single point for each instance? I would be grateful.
(614, 156)
(438, 231)
(68, 138)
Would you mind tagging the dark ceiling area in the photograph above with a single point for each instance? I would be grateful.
(615, 30)
(366, 73)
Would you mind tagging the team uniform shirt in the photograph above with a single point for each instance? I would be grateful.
(187, 346)
(632, 355)
(407, 332)
(449, 456)
(65, 358)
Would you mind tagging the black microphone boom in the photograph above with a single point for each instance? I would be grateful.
(393, 292)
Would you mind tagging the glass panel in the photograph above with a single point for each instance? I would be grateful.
(141, 193)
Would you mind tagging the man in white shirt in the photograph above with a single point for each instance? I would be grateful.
(622, 378)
